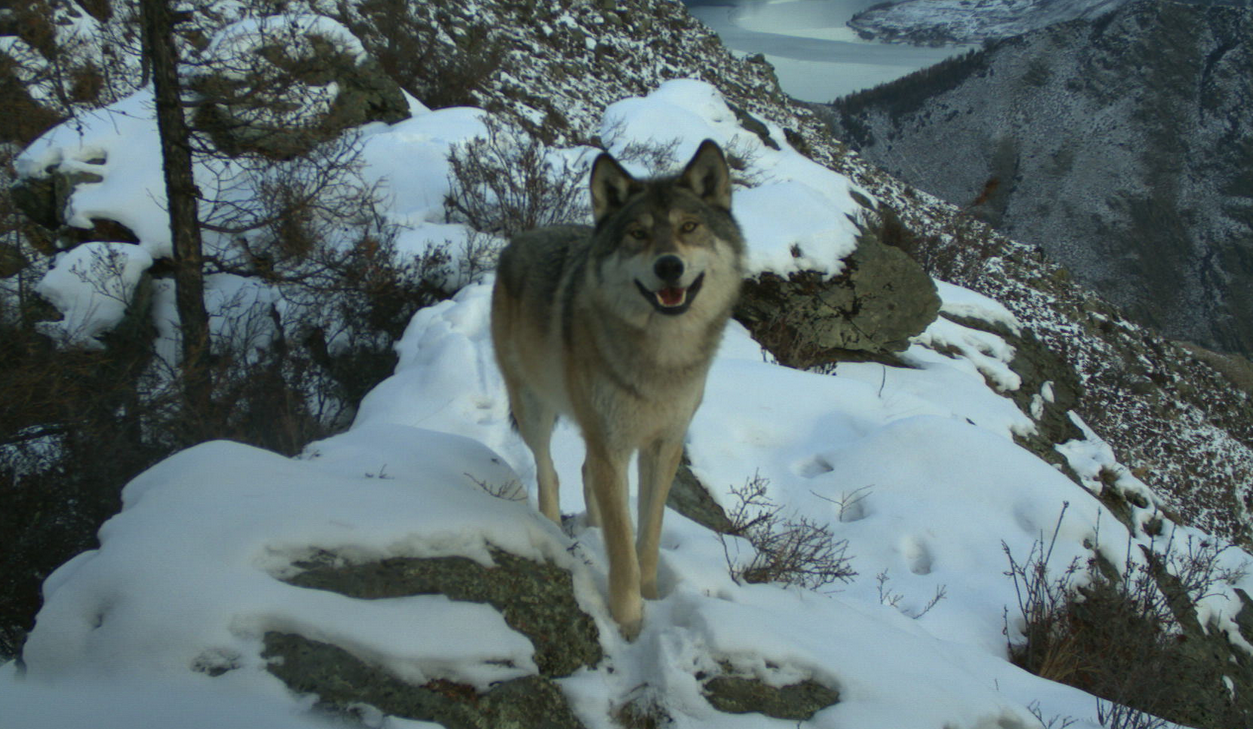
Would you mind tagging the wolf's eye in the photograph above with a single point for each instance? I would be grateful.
(689, 226)
(638, 233)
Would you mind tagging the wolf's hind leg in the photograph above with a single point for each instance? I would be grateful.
(589, 499)
(658, 462)
(535, 420)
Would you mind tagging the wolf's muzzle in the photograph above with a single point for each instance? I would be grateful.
(672, 300)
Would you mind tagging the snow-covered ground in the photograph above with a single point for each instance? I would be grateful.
(915, 467)
(815, 55)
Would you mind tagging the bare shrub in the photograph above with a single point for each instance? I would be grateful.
(660, 157)
(962, 250)
(894, 599)
(478, 255)
(286, 367)
(1129, 634)
(508, 181)
(788, 551)
(656, 157)
(742, 159)
(1053, 722)
(1111, 715)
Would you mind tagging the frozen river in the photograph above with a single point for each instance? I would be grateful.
(817, 57)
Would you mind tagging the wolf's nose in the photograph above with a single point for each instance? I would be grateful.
(669, 268)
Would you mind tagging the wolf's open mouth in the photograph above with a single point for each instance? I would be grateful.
(672, 300)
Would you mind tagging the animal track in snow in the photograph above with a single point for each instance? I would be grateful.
(814, 467)
(916, 555)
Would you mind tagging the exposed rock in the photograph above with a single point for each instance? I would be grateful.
(689, 497)
(536, 599)
(740, 695)
(1050, 390)
(11, 260)
(868, 311)
(43, 199)
(342, 682)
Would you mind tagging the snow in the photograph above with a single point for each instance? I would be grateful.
(119, 144)
(92, 285)
(915, 467)
(961, 302)
(794, 212)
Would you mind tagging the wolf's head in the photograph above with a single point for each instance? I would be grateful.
(660, 243)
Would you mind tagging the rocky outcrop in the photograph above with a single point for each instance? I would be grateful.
(536, 599)
(796, 702)
(868, 311)
(1050, 390)
(344, 682)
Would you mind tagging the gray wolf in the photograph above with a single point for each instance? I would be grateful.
(615, 326)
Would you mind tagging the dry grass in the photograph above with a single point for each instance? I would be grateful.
(1129, 633)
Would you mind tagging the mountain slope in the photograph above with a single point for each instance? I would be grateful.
(921, 467)
(1120, 146)
(926, 22)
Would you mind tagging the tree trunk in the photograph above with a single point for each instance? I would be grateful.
(183, 196)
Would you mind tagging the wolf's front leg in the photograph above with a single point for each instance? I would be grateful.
(658, 462)
(607, 475)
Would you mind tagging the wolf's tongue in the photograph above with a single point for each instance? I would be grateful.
(672, 296)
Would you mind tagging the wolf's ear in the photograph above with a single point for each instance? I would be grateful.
(611, 187)
(708, 176)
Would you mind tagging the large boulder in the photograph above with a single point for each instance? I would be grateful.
(868, 311)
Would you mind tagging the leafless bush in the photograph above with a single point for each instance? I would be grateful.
(478, 255)
(893, 599)
(960, 252)
(1129, 634)
(657, 157)
(508, 491)
(1053, 722)
(787, 551)
(1111, 715)
(507, 181)
(660, 157)
(742, 159)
